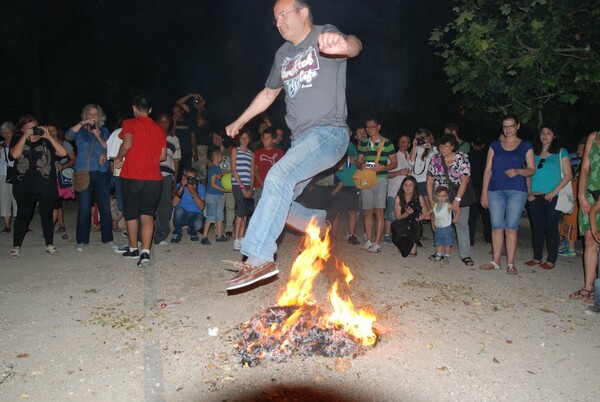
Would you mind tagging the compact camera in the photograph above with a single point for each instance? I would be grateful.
(421, 141)
(196, 101)
(370, 165)
(37, 130)
(192, 180)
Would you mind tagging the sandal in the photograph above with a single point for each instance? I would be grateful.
(50, 249)
(591, 297)
(468, 261)
(511, 270)
(6, 230)
(490, 266)
(15, 253)
(61, 229)
(581, 294)
(531, 263)
(547, 265)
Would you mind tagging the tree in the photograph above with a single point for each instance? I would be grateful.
(522, 56)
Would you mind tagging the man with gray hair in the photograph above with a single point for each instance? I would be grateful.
(311, 67)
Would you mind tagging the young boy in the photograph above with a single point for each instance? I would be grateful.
(189, 201)
(264, 159)
(443, 236)
(214, 196)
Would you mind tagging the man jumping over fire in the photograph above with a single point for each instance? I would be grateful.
(311, 66)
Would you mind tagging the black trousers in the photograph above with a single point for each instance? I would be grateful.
(26, 208)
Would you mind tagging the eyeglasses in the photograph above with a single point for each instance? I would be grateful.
(541, 164)
(371, 126)
(283, 14)
(509, 126)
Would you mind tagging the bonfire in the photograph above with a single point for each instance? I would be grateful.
(297, 325)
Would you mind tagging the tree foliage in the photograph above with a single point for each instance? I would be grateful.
(520, 56)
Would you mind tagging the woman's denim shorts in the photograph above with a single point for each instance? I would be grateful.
(506, 207)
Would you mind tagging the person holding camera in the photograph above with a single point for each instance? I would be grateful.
(35, 154)
(201, 131)
(189, 202)
(90, 136)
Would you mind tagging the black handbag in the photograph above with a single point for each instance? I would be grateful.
(468, 197)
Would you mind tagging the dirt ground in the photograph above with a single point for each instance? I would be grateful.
(92, 326)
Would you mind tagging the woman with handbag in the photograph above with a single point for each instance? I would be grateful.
(61, 165)
(504, 192)
(92, 178)
(553, 172)
(451, 168)
(8, 204)
(35, 153)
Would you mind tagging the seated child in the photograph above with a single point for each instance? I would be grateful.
(443, 235)
(188, 203)
(214, 197)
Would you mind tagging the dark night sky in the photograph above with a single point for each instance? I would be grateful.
(59, 55)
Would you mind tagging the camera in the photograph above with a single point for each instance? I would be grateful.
(92, 126)
(192, 180)
(421, 141)
(370, 165)
(196, 101)
(37, 130)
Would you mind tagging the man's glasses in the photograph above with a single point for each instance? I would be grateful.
(283, 14)
(541, 164)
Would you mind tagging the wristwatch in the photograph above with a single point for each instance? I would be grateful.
(458, 199)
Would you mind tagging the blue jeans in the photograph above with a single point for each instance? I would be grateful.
(193, 220)
(506, 207)
(314, 151)
(100, 189)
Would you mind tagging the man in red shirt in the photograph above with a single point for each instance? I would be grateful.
(145, 146)
(264, 159)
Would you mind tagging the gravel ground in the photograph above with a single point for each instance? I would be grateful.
(92, 326)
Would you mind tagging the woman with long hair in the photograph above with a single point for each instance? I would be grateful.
(409, 210)
(35, 153)
(504, 192)
(553, 172)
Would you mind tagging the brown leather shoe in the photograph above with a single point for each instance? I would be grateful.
(248, 274)
(547, 265)
(531, 263)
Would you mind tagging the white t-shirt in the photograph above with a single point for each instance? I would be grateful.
(420, 166)
(395, 182)
(443, 215)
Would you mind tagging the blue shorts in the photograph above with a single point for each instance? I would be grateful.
(444, 236)
(390, 216)
(214, 208)
(506, 207)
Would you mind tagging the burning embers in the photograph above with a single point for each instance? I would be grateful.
(297, 325)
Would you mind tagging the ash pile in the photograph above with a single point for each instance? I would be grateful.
(279, 332)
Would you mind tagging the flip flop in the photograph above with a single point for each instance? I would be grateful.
(468, 261)
(581, 294)
(490, 266)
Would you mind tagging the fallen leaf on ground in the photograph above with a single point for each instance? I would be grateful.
(21, 355)
(509, 341)
(545, 310)
(495, 360)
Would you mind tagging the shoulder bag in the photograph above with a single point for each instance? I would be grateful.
(81, 178)
(468, 197)
(367, 178)
(565, 202)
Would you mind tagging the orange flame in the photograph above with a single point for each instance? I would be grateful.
(298, 290)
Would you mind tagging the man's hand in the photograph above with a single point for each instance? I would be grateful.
(333, 43)
(233, 129)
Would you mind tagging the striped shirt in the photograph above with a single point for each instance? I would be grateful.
(167, 167)
(369, 152)
(243, 162)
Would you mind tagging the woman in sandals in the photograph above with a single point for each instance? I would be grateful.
(543, 186)
(509, 162)
(589, 181)
(35, 154)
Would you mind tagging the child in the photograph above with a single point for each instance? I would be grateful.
(214, 196)
(264, 159)
(443, 236)
(189, 201)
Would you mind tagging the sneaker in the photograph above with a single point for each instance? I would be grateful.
(122, 249)
(51, 250)
(79, 247)
(367, 245)
(594, 309)
(237, 245)
(445, 259)
(375, 248)
(563, 245)
(221, 239)
(353, 240)
(15, 253)
(125, 234)
(176, 238)
(194, 238)
(113, 245)
(567, 253)
(163, 243)
(144, 259)
(205, 241)
(132, 254)
(435, 257)
(387, 238)
(248, 275)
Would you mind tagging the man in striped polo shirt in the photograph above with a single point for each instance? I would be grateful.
(374, 199)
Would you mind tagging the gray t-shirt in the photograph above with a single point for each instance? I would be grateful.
(315, 85)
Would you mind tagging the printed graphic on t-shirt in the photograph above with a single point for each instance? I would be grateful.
(299, 72)
(271, 159)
